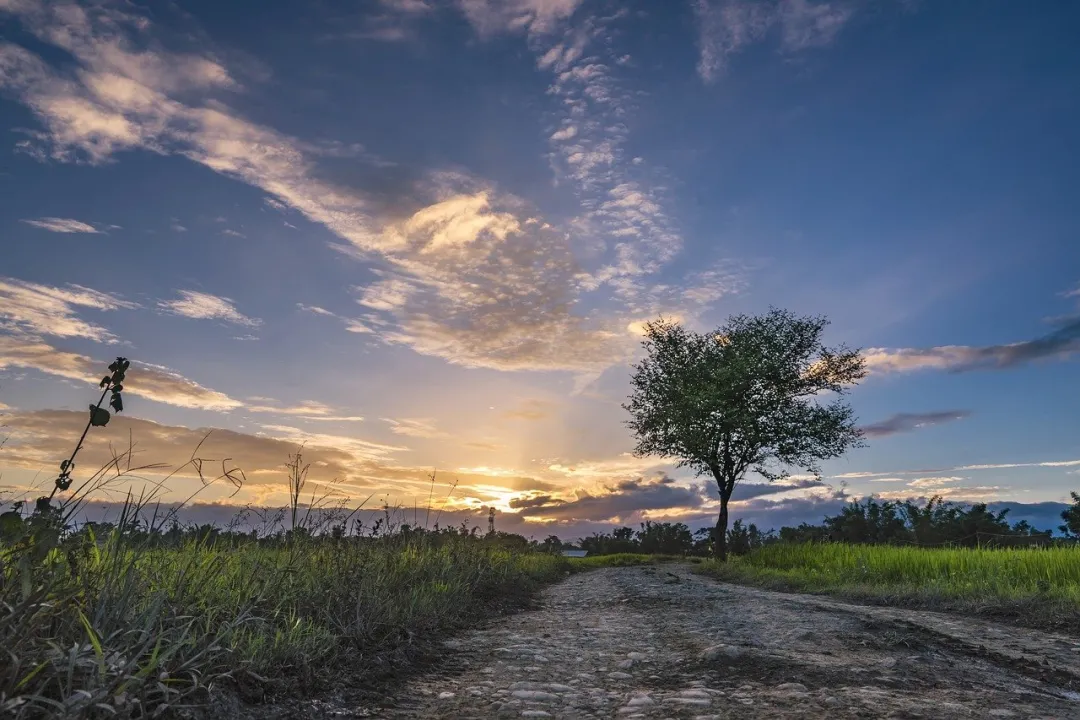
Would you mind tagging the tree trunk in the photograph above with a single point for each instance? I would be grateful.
(720, 536)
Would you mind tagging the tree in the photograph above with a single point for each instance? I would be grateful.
(664, 538)
(1071, 516)
(745, 397)
(551, 544)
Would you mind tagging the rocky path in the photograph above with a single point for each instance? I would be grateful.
(660, 642)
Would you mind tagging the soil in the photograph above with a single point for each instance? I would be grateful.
(662, 642)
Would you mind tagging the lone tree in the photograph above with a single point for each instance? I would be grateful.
(748, 396)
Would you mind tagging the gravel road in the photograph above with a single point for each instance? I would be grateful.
(661, 642)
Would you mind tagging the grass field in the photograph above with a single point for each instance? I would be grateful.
(1034, 587)
(112, 626)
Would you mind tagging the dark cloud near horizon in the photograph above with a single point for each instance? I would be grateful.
(906, 422)
(629, 497)
(749, 490)
(1060, 344)
(624, 499)
(1064, 340)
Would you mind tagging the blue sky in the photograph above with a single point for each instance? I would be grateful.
(420, 235)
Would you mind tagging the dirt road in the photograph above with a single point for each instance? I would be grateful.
(660, 642)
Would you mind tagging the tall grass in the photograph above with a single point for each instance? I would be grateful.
(995, 581)
(126, 625)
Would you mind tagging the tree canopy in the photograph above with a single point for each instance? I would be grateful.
(750, 396)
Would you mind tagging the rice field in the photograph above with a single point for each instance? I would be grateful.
(1018, 583)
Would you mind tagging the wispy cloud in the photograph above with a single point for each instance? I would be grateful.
(45, 310)
(999, 466)
(63, 225)
(306, 410)
(623, 200)
(933, 482)
(971, 493)
(204, 306)
(894, 475)
(624, 232)
(393, 20)
(535, 17)
(906, 422)
(152, 382)
(416, 427)
(489, 287)
(38, 438)
(1062, 343)
(726, 27)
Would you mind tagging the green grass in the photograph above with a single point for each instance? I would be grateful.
(1033, 586)
(95, 626)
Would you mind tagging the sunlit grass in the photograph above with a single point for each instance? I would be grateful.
(994, 581)
(95, 625)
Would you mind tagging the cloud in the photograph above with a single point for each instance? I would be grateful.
(204, 306)
(416, 427)
(809, 24)
(488, 446)
(623, 201)
(624, 229)
(531, 409)
(934, 482)
(62, 225)
(623, 224)
(478, 286)
(748, 491)
(906, 422)
(152, 382)
(1049, 463)
(535, 17)
(1062, 343)
(394, 20)
(306, 410)
(347, 465)
(43, 437)
(617, 502)
(478, 279)
(894, 474)
(726, 27)
(625, 466)
(46, 310)
(486, 287)
(974, 493)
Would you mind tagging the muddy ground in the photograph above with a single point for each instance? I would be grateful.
(662, 642)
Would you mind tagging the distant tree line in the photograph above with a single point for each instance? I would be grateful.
(935, 523)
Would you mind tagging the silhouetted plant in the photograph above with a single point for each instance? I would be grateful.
(111, 385)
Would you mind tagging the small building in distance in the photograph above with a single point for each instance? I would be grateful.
(574, 553)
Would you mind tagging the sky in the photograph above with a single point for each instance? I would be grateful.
(422, 236)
